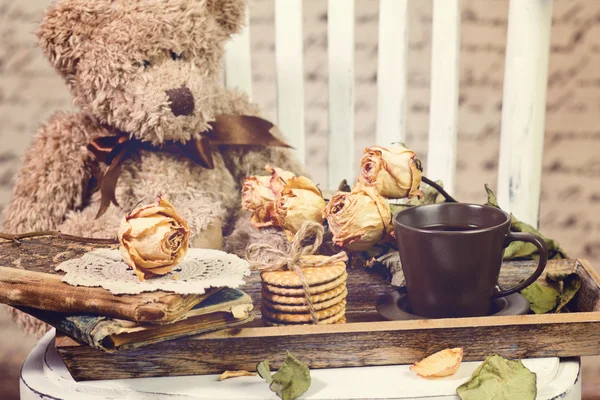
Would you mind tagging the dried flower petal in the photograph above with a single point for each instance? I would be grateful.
(235, 374)
(442, 363)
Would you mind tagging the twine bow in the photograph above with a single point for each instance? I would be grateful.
(264, 257)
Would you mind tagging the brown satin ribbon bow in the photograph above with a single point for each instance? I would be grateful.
(227, 129)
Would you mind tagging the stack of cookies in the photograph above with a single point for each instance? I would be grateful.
(284, 298)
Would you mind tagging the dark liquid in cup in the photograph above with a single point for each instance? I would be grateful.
(449, 228)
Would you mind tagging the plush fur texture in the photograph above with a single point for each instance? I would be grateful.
(119, 58)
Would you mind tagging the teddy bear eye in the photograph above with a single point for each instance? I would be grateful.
(175, 56)
(146, 64)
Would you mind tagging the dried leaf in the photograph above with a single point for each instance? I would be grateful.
(235, 374)
(442, 363)
(290, 381)
(557, 276)
(499, 379)
(430, 196)
(525, 250)
(264, 371)
(542, 298)
(571, 285)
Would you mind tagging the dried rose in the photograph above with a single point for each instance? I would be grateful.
(395, 172)
(259, 194)
(442, 363)
(153, 239)
(300, 201)
(359, 219)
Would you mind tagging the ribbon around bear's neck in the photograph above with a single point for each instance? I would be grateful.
(265, 257)
(234, 130)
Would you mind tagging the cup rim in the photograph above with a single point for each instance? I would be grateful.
(469, 232)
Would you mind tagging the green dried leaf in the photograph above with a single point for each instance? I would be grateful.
(525, 250)
(557, 276)
(430, 196)
(571, 285)
(264, 371)
(500, 379)
(492, 201)
(542, 298)
(290, 381)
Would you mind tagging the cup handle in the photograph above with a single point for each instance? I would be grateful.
(543, 250)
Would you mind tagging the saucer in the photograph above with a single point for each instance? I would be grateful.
(395, 306)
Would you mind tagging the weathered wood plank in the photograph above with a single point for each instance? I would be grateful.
(588, 297)
(392, 72)
(340, 34)
(238, 63)
(372, 342)
(443, 115)
(289, 62)
(524, 108)
(347, 345)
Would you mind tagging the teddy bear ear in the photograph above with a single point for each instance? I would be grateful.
(63, 32)
(229, 14)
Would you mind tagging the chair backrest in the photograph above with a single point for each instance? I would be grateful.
(524, 96)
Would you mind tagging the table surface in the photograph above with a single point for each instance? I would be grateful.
(44, 374)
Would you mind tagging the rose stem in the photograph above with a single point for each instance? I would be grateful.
(17, 237)
(437, 187)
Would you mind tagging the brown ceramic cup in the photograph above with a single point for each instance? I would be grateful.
(451, 255)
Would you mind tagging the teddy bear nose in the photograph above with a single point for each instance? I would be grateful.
(182, 101)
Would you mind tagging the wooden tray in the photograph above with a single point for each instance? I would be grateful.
(365, 340)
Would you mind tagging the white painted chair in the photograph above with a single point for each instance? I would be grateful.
(44, 374)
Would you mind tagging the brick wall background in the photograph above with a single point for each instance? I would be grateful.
(570, 209)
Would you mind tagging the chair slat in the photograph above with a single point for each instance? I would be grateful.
(524, 108)
(238, 66)
(443, 115)
(289, 61)
(392, 72)
(341, 91)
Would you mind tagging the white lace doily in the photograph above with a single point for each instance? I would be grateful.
(200, 270)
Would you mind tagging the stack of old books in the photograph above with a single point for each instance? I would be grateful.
(111, 322)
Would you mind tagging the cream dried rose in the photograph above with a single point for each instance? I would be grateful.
(153, 239)
(300, 201)
(259, 194)
(395, 172)
(359, 219)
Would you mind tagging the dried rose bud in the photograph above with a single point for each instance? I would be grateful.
(259, 194)
(153, 239)
(442, 363)
(395, 172)
(359, 219)
(300, 201)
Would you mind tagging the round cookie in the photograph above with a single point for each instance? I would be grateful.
(275, 307)
(336, 319)
(304, 317)
(301, 300)
(313, 275)
(300, 292)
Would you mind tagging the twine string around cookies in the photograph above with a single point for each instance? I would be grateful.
(264, 257)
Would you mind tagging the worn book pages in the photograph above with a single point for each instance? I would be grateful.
(39, 290)
(225, 308)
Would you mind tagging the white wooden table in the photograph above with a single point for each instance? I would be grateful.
(44, 376)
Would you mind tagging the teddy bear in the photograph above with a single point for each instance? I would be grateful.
(148, 70)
